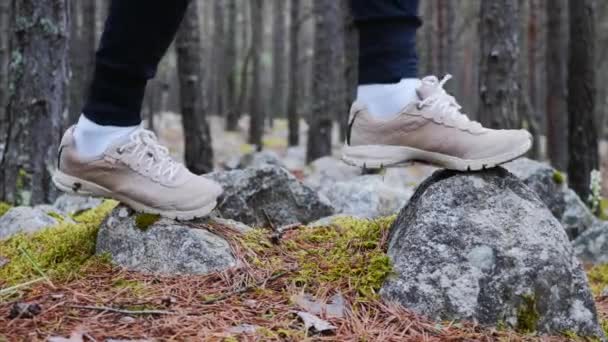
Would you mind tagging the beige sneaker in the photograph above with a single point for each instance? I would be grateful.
(432, 130)
(138, 172)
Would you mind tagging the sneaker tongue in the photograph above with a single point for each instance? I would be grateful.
(428, 86)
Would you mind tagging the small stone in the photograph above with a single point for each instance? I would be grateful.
(368, 196)
(3, 261)
(24, 310)
(57, 296)
(72, 204)
(604, 292)
(26, 220)
(592, 245)
(314, 322)
(127, 320)
(268, 196)
(260, 159)
(243, 329)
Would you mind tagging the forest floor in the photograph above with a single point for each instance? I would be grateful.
(333, 272)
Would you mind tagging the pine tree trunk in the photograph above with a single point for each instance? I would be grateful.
(293, 119)
(557, 113)
(199, 151)
(278, 59)
(82, 53)
(256, 125)
(499, 72)
(220, 78)
(350, 75)
(38, 98)
(445, 36)
(232, 116)
(320, 123)
(583, 125)
(5, 8)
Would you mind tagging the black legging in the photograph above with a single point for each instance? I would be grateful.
(138, 32)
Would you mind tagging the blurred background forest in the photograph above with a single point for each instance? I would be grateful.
(280, 75)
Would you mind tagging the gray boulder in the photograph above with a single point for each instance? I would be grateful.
(326, 171)
(72, 204)
(483, 247)
(577, 217)
(367, 196)
(551, 187)
(268, 195)
(541, 178)
(260, 159)
(29, 220)
(156, 245)
(592, 246)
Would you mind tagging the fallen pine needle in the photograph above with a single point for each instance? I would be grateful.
(246, 288)
(122, 311)
(16, 287)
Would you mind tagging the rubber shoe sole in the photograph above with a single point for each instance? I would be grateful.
(380, 156)
(80, 187)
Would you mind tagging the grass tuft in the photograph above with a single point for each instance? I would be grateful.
(60, 251)
(4, 207)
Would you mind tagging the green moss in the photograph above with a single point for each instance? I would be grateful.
(527, 315)
(348, 252)
(4, 207)
(598, 278)
(56, 216)
(144, 221)
(559, 177)
(60, 251)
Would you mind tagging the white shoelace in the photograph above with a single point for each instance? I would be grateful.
(148, 152)
(447, 107)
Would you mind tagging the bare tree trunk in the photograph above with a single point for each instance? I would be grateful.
(199, 151)
(320, 123)
(219, 74)
(445, 36)
(5, 9)
(278, 58)
(293, 119)
(256, 125)
(557, 114)
(38, 84)
(82, 53)
(231, 86)
(350, 75)
(499, 74)
(583, 125)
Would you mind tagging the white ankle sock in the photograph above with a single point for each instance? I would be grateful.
(386, 100)
(93, 139)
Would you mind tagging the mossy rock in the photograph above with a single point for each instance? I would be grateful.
(59, 251)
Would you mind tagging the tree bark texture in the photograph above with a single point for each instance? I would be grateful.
(232, 116)
(82, 53)
(499, 73)
(320, 122)
(278, 58)
(38, 75)
(556, 62)
(199, 151)
(583, 125)
(256, 125)
(293, 119)
(5, 9)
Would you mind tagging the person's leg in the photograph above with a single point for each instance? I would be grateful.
(108, 154)
(398, 118)
(137, 34)
(388, 64)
